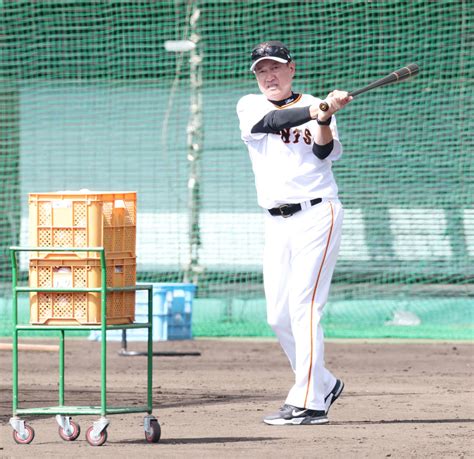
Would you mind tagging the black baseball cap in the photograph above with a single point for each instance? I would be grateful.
(274, 50)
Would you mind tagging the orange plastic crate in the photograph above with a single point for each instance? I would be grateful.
(89, 219)
(78, 308)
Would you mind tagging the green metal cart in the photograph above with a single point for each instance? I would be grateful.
(96, 435)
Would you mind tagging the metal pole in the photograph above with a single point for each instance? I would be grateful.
(61, 368)
(150, 351)
(194, 142)
(15, 331)
(103, 331)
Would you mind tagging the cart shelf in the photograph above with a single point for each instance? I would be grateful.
(68, 430)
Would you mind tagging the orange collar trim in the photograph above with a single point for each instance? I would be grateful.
(290, 103)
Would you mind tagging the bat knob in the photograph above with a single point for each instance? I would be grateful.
(324, 106)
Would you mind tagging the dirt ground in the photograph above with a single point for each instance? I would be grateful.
(401, 400)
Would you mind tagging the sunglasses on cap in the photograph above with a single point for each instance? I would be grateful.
(276, 51)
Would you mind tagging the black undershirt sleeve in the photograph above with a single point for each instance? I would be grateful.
(323, 151)
(276, 120)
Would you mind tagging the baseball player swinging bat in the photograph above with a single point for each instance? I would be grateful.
(394, 77)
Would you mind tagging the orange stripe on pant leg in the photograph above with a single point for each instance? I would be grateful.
(312, 303)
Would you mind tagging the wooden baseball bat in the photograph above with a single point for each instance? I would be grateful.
(394, 77)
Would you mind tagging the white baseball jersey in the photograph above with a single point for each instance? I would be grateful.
(286, 170)
(300, 251)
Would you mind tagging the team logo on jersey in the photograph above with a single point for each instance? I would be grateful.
(295, 135)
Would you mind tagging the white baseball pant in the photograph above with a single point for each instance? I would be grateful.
(299, 259)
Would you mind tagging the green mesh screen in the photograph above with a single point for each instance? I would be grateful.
(91, 99)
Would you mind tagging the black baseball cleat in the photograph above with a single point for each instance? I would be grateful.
(292, 415)
(334, 394)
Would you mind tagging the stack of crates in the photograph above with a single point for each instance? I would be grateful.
(77, 220)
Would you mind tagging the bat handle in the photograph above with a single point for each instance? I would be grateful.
(324, 106)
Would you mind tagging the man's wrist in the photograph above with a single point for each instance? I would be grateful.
(319, 116)
(323, 122)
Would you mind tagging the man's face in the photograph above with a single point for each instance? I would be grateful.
(274, 78)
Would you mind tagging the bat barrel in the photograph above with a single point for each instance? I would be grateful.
(408, 71)
(394, 77)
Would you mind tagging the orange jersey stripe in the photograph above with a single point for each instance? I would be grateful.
(312, 303)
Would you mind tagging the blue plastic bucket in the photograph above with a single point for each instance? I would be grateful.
(172, 314)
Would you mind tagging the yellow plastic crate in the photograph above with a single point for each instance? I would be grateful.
(78, 308)
(83, 219)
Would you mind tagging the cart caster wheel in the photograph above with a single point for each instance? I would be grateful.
(153, 434)
(96, 440)
(28, 438)
(76, 430)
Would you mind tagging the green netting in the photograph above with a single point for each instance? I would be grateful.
(91, 99)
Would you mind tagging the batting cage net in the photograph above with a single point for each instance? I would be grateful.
(140, 95)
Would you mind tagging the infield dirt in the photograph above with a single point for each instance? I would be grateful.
(403, 400)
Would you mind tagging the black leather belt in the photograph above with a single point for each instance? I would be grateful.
(287, 210)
